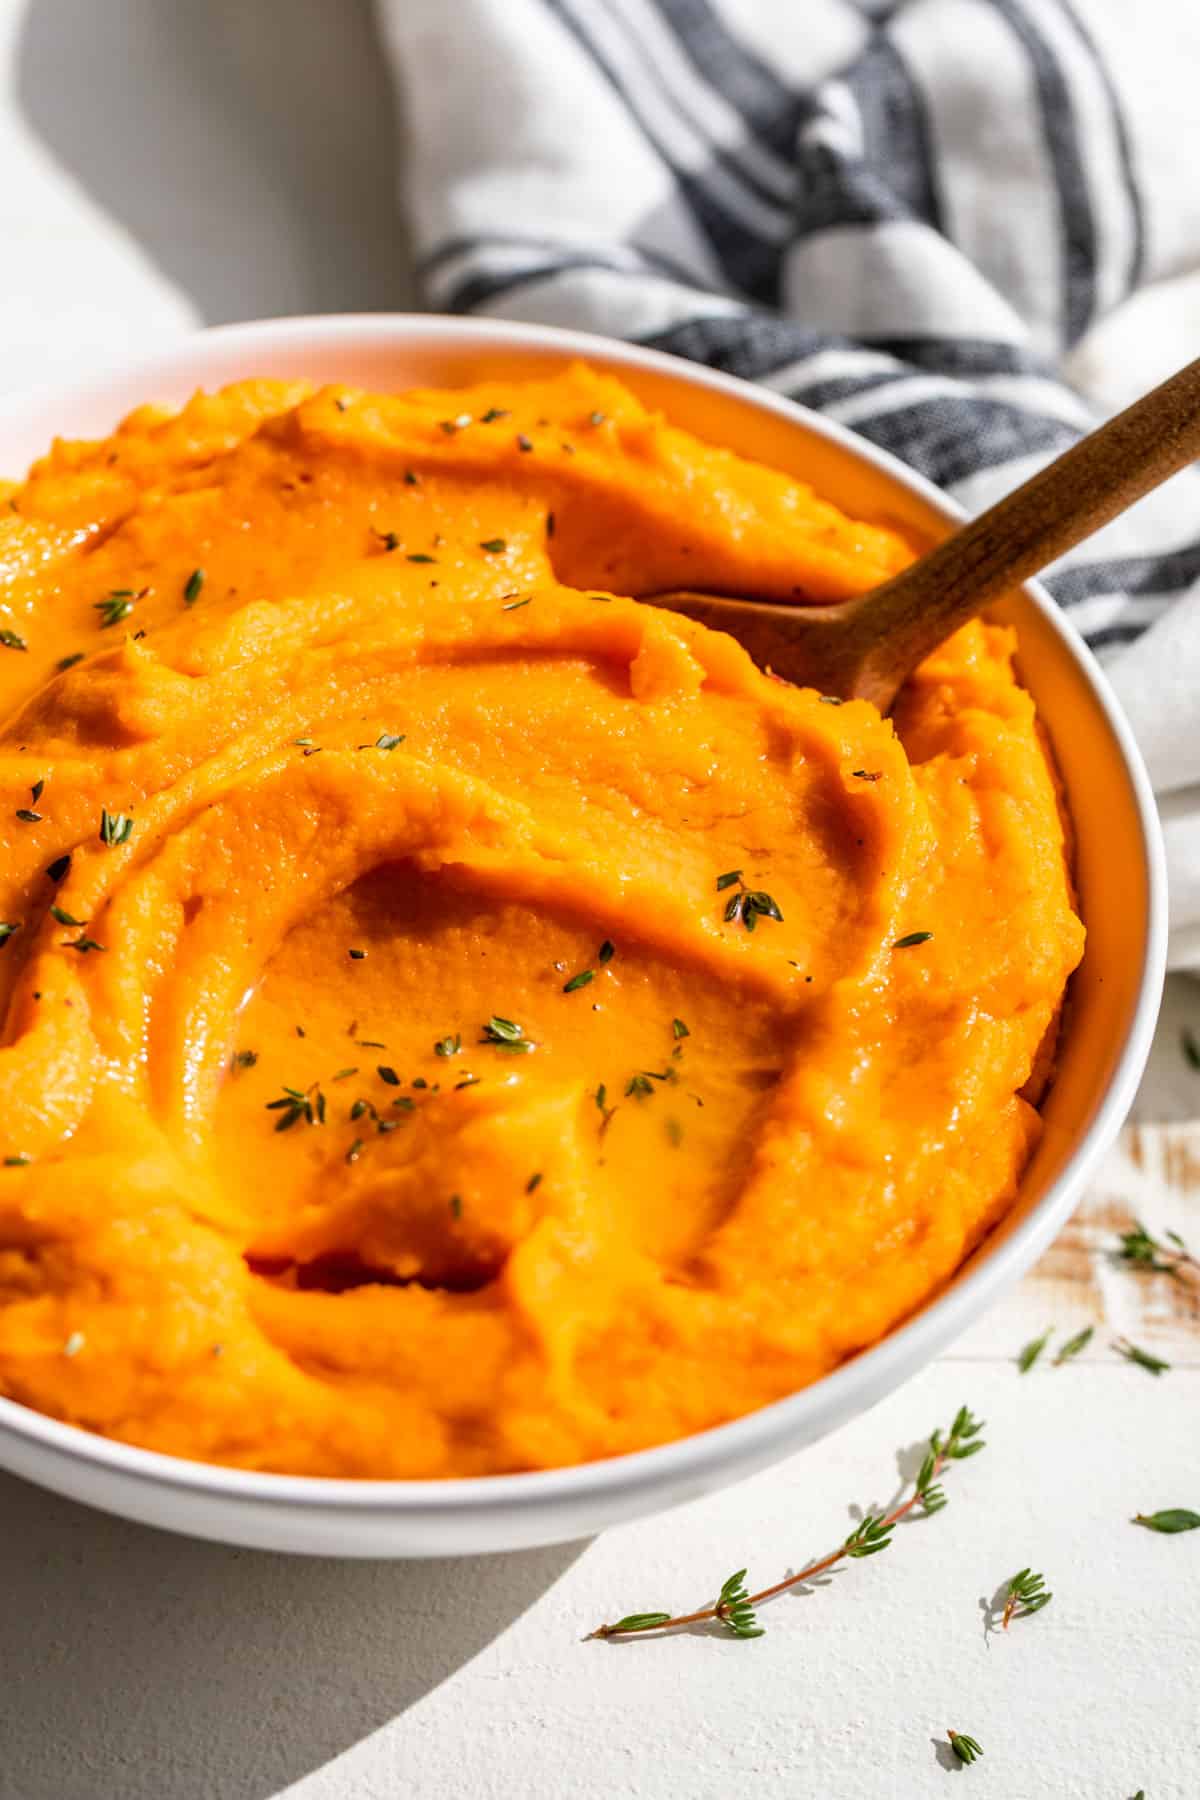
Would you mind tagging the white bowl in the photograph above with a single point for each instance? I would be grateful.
(1110, 1021)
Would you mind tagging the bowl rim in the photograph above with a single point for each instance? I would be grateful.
(756, 1436)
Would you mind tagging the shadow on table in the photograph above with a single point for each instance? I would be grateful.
(155, 1667)
(248, 146)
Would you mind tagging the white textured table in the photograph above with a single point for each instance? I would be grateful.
(215, 159)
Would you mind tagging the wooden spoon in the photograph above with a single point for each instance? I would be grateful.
(865, 647)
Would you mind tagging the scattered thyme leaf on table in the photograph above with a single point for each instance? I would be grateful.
(1033, 1349)
(965, 1748)
(1135, 1354)
(1075, 1344)
(1026, 1594)
(1171, 1520)
(1150, 1255)
(734, 1607)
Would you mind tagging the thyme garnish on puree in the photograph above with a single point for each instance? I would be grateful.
(748, 904)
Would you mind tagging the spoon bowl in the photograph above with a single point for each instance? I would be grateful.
(866, 647)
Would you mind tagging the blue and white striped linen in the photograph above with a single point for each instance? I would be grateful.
(905, 215)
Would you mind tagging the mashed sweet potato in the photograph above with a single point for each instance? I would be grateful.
(458, 1018)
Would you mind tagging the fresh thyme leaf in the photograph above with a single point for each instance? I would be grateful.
(344, 1074)
(58, 868)
(1026, 1595)
(829, 699)
(734, 1609)
(493, 545)
(115, 828)
(1191, 1047)
(83, 945)
(1074, 1345)
(6, 930)
(1171, 1520)
(244, 1059)
(579, 981)
(728, 879)
(386, 1073)
(606, 951)
(640, 1085)
(296, 1104)
(411, 478)
(360, 1107)
(867, 774)
(470, 1080)
(65, 662)
(355, 1150)
(913, 937)
(419, 556)
(114, 607)
(192, 586)
(640, 1621)
(534, 1182)
(64, 917)
(733, 907)
(516, 605)
(1032, 1350)
(679, 1029)
(493, 413)
(27, 815)
(869, 1537)
(357, 955)
(17, 1162)
(596, 418)
(523, 442)
(965, 1748)
(448, 1046)
(388, 740)
(1135, 1354)
(601, 1091)
(12, 640)
(36, 791)
(456, 1206)
(506, 1033)
(758, 905)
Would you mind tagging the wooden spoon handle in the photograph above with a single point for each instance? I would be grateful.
(1059, 506)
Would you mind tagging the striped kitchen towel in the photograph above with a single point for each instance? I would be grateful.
(907, 215)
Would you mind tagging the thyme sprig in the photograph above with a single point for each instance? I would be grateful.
(298, 1103)
(965, 1748)
(114, 607)
(115, 828)
(1135, 1354)
(734, 1607)
(1026, 1594)
(748, 904)
(1152, 1256)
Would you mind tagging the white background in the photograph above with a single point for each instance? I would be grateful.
(172, 162)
